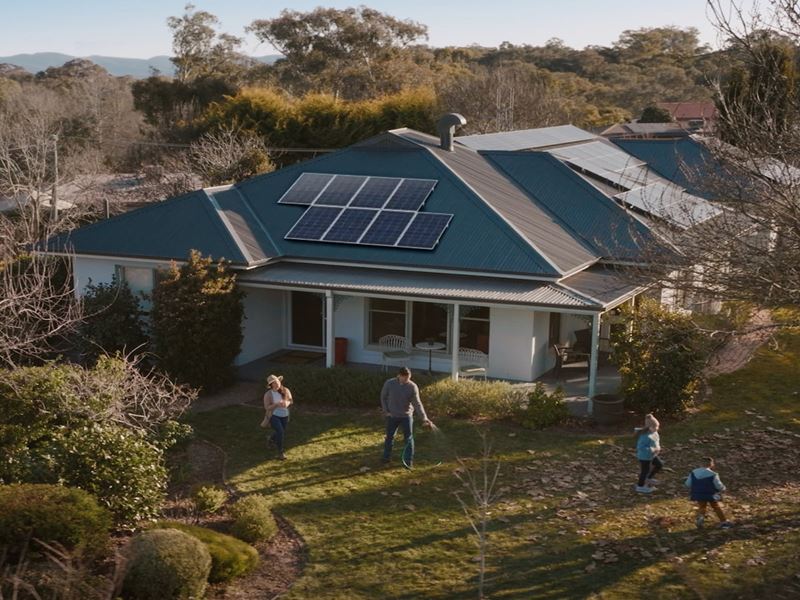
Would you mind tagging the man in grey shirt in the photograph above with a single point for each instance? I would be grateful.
(399, 400)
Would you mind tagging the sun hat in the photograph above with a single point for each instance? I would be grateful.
(273, 378)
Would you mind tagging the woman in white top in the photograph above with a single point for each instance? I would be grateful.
(277, 400)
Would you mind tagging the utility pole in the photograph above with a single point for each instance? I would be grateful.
(54, 196)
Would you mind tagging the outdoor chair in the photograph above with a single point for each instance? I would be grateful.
(565, 355)
(472, 363)
(394, 348)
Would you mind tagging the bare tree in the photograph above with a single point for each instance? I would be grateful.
(229, 155)
(480, 485)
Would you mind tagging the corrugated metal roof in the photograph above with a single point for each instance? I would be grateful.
(582, 208)
(411, 284)
(605, 284)
(526, 139)
(565, 251)
(164, 230)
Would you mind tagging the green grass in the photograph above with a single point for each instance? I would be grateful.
(568, 524)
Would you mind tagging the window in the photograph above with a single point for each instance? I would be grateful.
(429, 322)
(139, 279)
(386, 317)
(475, 328)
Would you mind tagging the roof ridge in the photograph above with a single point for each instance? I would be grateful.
(221, 223)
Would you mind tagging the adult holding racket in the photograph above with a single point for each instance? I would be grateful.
(399, 400)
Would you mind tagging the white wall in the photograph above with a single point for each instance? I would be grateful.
(101, 270)
(544, 358)
(511, 343)
(262, 327)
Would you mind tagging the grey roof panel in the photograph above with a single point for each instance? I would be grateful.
(526, 139)
(542, 231)
(246, 229)
(416, 284)
(604, 284)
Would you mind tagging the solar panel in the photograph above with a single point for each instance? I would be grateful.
(305, 188)
(425, 231)
(340, 190)
(314, 223)
(387, 228)
(375, 192)
(411, 194)
(350, 225)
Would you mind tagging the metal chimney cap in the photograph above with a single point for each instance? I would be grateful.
(446, 126)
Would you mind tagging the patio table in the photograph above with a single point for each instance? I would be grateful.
(430, 347)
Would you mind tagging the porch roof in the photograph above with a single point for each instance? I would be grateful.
(418, 284)
(604, 284)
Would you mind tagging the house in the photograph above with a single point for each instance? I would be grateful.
(470, 243)
(695, 116)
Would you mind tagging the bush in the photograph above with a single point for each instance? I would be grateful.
(661, 361)
(123, 470)
(542, 409)
(163, 564)
(209, 499)
(113, 321)
(229, 557)
(252, 519)
(197, 322)
(471, 398)
(52, 514)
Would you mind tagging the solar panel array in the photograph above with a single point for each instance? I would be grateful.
(641, 188)
(375, 211)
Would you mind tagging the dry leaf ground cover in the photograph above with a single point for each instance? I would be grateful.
(568, 524)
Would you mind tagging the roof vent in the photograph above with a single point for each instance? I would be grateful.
(446, 127)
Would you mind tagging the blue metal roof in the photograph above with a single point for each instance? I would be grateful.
(680, 160)
(164, 230)
(581, 208)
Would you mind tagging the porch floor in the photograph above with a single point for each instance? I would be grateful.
(573, 379)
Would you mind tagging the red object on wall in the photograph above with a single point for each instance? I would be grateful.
(340, 351)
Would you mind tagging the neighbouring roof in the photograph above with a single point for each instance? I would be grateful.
(646, 130)
(682, 111)
(423, 285)
(526, 139)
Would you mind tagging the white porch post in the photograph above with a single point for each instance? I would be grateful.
(456, 340)
(329, 328)
(593, 351)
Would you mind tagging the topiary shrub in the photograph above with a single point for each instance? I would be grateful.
(542, 409)
(660, 361)
(123, 470)
(113, 320)
(209, 499)
(52, 514)
(229, 557)
(196, 322)
(252, 519)
(165, 564)
(471, 398)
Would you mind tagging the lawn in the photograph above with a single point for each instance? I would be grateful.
(568, 524)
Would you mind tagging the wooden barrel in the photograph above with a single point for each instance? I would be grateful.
(608, 409)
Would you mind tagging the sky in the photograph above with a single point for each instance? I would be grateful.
(138, 29)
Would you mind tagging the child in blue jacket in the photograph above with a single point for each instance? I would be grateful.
(648, 446)
(705, 488)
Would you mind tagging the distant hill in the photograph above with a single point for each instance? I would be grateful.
(135, 67)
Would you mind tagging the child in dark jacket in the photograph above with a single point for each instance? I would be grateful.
(705, 488)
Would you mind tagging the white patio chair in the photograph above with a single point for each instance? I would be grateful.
(472, 363)
(394, 347)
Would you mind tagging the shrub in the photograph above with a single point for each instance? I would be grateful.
(209, 499)
(120, 467)
(229, 557)
(113, 321)
(252, 519)
(197, 322)
(163, 564)
(52, 514)
(340, 387)
(471, 398)
(542, 409)
(660, 361)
